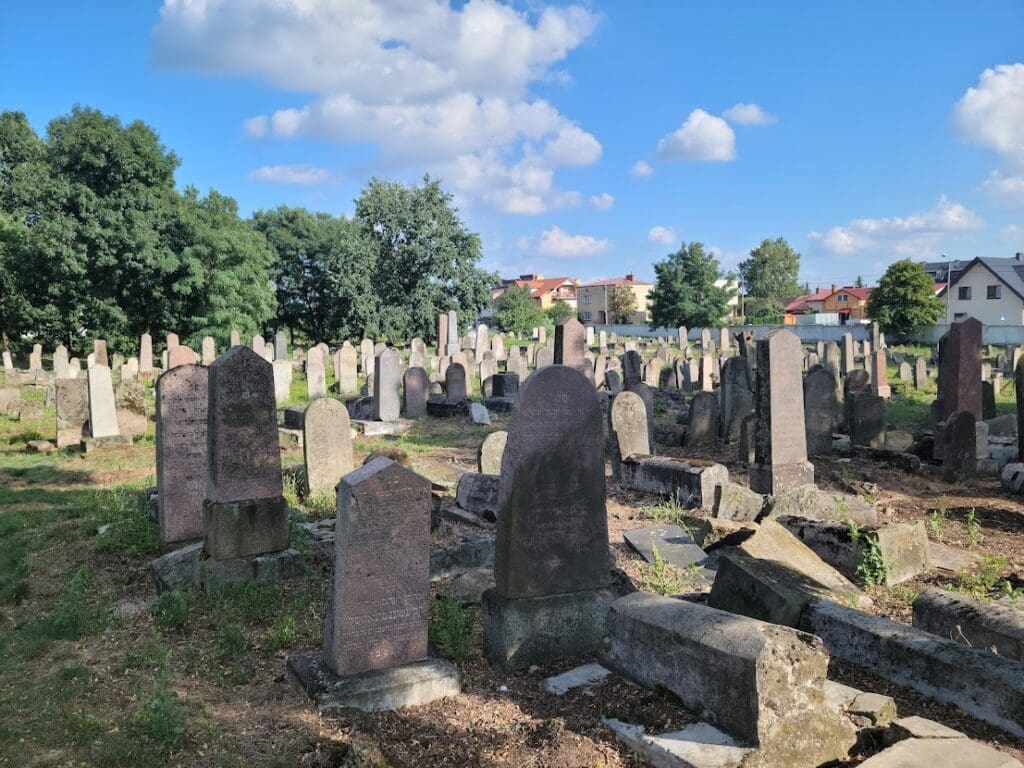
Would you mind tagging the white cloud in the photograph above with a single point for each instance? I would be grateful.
(1008, 189)
(991, 114)
(432, 86)
(557, 243)
(913, 235)
(290, 174)
(748, 114)
(641, 170)
(602, 202)
(702, 136)
(661, 235)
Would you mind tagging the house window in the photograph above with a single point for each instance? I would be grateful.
(959, 315)
(964, 293)
(994, 292)
(586, 298)
(842, 298)
(586, 317)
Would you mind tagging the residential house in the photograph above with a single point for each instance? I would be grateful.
(849, 302)
(593, 300)
(545, 291)
(944, 271)
(988, 289)
(810, 303)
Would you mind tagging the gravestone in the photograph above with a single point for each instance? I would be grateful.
(209, 350)
(345, 369)
(920, 373)
(570, 346)
(551, 569)
(627, 432)
(181, 355)
(1018, 387)
(258, 344)
(146, 356)
(612, 381)
(703, 427)
(455, 383)
(453, 333)
(244, 512)
(442, 335)
(280, 346)
(988, 400)
(865, 419)
(181, 451)
(491, 451)
(8, 362)
(879, 374)
(545, 357)
(283, 372)
(707, 371)
(60, 362)
(600, 366)
(652, 372)
(326, 445)
(171, 340)
(590, 336)
(737, 394)
(387, 383)
(72, 396)
(960, 449)
(906, 374)
(647, 396)
(849, 356)
(821, 404)
(632, 368)
(316, 374)
(236, 338)
(377, 618)
(102, 408)
(415, 391)
(74, 368)
(833, 358)
(482, 342)
(498, 347)
(960, 364)
(35, 358)
(780, 449)
(681, 334)
(705, 341)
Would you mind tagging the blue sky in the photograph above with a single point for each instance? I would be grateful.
(587, 140)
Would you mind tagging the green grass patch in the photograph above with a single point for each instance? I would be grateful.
(450, 628)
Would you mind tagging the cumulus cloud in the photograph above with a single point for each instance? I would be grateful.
(433, 86)
(641, 170)
(1007, 189)
(748, 114)
(557, 243)
(661, 235)
(991, 114)
(702, 136)
(602, 202)
(290, 174)
(913, 235)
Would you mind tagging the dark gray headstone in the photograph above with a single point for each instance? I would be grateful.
(415, 391)
(181, 450)
(821, 404)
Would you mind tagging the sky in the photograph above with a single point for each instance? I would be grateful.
(589, 139)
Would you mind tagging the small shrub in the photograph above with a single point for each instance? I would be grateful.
(936, 522)
(171, 609)
(670, 511)
(871, 566)
(973, 529)
(450, 628)
(982, 579)
(291, 489)
(661, 577)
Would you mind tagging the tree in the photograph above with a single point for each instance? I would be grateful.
(904, 299)
(859, 282)
(559, 312)
(685, 292)
(425, 260)
(771, 271)
(621, 303)
(516, 311)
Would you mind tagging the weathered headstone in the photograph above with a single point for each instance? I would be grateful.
(35, 358)
(282, 381)
(102, 408)
(491, 451)
(879, 374)
(345, 369)
(865, 418)
(849, 355)
(72, 396)
(482, 342)
(652, 372)
(551, 570)
(326, 445)
(236, 338)
(632, 368)
(545, 356)
(146, 355)
(181, 451)
(316, 374)
(960, 450)
(442, 335)
(737, 395)
(960, 378)
(387, 383)
(280, 346)
(781, 445)
(180, 355)
(627, 418)
(570, 345)
(415, 391)
(8, 362)
(171, 340)
(703, 426)
(60, 362)
(209, 350)
(455, 383)
(821, 404)
(453, 333)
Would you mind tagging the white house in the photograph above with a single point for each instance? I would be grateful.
(991, 290)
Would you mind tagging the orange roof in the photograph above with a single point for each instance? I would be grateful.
(799, 304)
(540, 287)
(818, 296)
(616, 281)
(860, 293)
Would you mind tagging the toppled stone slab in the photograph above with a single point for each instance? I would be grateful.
(907, 462)
(675, 546)
(691, 482)
(586, 677)
(872, 709)
(478, 413)
(478, 494)
(440, 408)
(177, 569)
(963, 619)
(915, 727)
(737, 502)
(294, 417)
(760, 683)
(378, 428)
(984, 685)
(808, 501)
(410, 685)
(696, 746)
(40, 446)
(471, 585)
(951, 559)
(472, 552)
(947, 753)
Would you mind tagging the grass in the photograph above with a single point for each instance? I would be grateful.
(661, 577)
(172, 609)
(450, 628)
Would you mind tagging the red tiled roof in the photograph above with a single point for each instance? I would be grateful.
(548, 284)
(860, 293)
(819, 296)
(615, 281)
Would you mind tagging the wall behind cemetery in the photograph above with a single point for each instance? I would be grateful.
(806, 333)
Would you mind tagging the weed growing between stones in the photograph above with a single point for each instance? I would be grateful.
(871, 566)
(983, 579)
(661, 577)
(450, 628)
(171, 609)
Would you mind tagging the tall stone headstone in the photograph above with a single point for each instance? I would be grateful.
(316, 374)
(545, 356)
(244, 512)
(644, 392)
(35, 358)
(379, 607)
(960, 378)
(326, 445)
(627, 420)
(442, 335)
(960, 450)
(703, 425)
(652, 372)
(280, 346)
(737, 395)
(570, 345)
(102, 406)
(209, 350)
(491, 451)
(920, 373)
(821, 404)
(482, 342)
(780, 451)
(415, 391)
(181, 355)
(171, 341)
(453, 333)
(60, 362)
(865, 418)
(146, 356)
(258, 343)
(345, 369)
(849, 354)
(387, 384)
(236, 338)
(551, 562)
(879, 374)
(8, 362)
(632, 368)
(181, 451)
(1018, 387)
(455, 383)
(707, 371)
(283, 372)
(72, 400)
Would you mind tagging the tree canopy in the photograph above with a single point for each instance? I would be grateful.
(904, 299)
(771, 270)
(516, 312)
(559, 312)
(621, 303)
(685, 292)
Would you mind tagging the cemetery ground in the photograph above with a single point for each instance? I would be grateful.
(97, 671)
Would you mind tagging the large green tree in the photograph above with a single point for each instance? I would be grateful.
(425, 258)
(771, 270)
(904, 299)
(516, 312)
(621, 303)
(685, 292)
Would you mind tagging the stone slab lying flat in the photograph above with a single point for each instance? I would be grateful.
(410, 685)
(586, 676)
(950, 559)
(697, 746)
(986, 626)
(947, 753)
(377, 428)
(675, 546)
(915, 727)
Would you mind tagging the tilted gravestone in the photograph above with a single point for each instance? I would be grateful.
(326, 445)
(72, 396)
(570, 346)
(387, 384)
(820, 407)
(102, 407)
(415, 391)
(491, 451)
(627, 420)
(780, 450)
(737, 396)
(181, 451)
(632, 368)
(703, 426)
(244, 512)
(652, 373)
(551, 561)
(960, 366)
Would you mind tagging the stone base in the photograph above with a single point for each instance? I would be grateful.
(410, 685)
(377, 428)
(442, 409)
(520, 632)
(774, 479)
(242, 528)
(185, 568)
(90, 444)
(499, 404)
